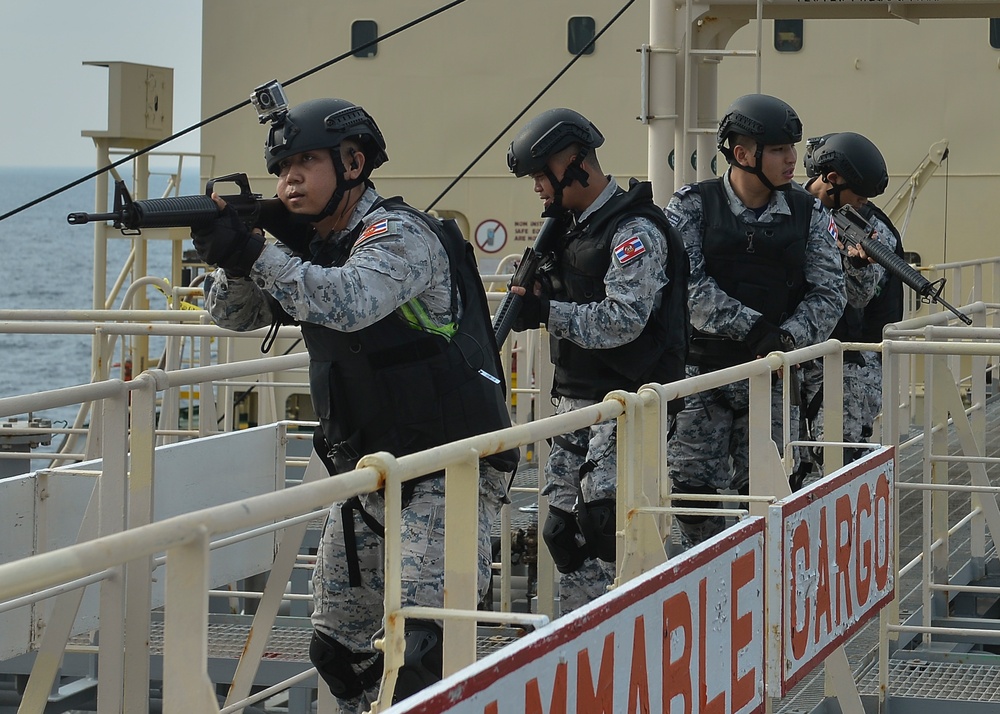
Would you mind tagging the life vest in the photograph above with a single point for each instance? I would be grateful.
(658, 353)
(762, 265)
(394, 387)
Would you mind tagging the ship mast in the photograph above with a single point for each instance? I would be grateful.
(682, 118)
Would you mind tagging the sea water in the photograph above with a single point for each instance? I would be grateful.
(46, 263)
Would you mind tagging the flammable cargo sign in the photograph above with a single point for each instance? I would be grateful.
(688, 636)
(831, 564)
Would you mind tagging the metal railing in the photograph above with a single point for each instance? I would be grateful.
(118, 556)
(123, 542)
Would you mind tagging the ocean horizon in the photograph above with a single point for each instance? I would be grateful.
(48, 264)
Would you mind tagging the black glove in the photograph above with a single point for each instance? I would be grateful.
(765, 338)
(227, 243)
(857, 261)
(534, 312)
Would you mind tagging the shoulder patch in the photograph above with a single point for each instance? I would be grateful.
(380, 227)
(832, 228)
(629, 250)
(673, 219)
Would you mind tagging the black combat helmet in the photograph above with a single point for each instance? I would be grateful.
(854, 157)
(547, 134)
(324, 124)
(764, 118)
(767, 120)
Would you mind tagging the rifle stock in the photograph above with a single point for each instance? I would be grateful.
(853, 229)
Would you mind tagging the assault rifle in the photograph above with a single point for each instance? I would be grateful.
(853, 229)
(130, 216)
(524, 276)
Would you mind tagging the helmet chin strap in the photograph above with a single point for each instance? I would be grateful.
(756, 169)
(574, 172)
(834, 191)
(343, 186)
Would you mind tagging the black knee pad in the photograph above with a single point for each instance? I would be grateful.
(702, 488)
(564, 540)
(852, 454)
(692, 520)
(335, 664)
(597, 524)
(421, 659)
(798, 476)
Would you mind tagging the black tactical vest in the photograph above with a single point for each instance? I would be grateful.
(887, 305)
(865, 324)
(760, 264)
(392, 387)
(658, 353)
(849, 329)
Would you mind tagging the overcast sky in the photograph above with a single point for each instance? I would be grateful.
(50, 97)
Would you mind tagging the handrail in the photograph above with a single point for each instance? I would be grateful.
(638, 413)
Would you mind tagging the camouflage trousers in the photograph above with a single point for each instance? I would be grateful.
(862, 401)
(871, 394)
(709, 448)
(353, 615)
(563, 486)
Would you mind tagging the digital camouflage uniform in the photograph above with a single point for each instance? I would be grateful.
(405, 261)
(862, 382)
(562, 471)
(631, 291)
(871, 373)
(708, 448)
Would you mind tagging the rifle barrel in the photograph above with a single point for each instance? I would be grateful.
(81, 218)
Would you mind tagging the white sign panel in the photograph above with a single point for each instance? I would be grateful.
(685, 638)
(830, 564)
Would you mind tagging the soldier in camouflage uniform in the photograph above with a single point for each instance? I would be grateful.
(402, 358)
(613, 298)
(846, 169)
(765, 276)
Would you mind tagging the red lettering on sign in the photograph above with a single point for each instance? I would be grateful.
(864, 536)
(677, 666)
(557, 704)
(823, 610)
(882, 515)
(742, 633)
(599, 698)
(638, 683)
(716, 705)
(843, 555)
(800, 634)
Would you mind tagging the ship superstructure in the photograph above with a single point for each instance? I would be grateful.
(131, 579)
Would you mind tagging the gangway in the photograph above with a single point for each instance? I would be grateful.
(955, 362)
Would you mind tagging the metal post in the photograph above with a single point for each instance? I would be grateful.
(186, 686)
(111, 489)
(662, 90)
(461, 560)
(140, 512)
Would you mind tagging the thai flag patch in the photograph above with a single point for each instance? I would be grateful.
(832, 228)
(630, 250)
(375, 229)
